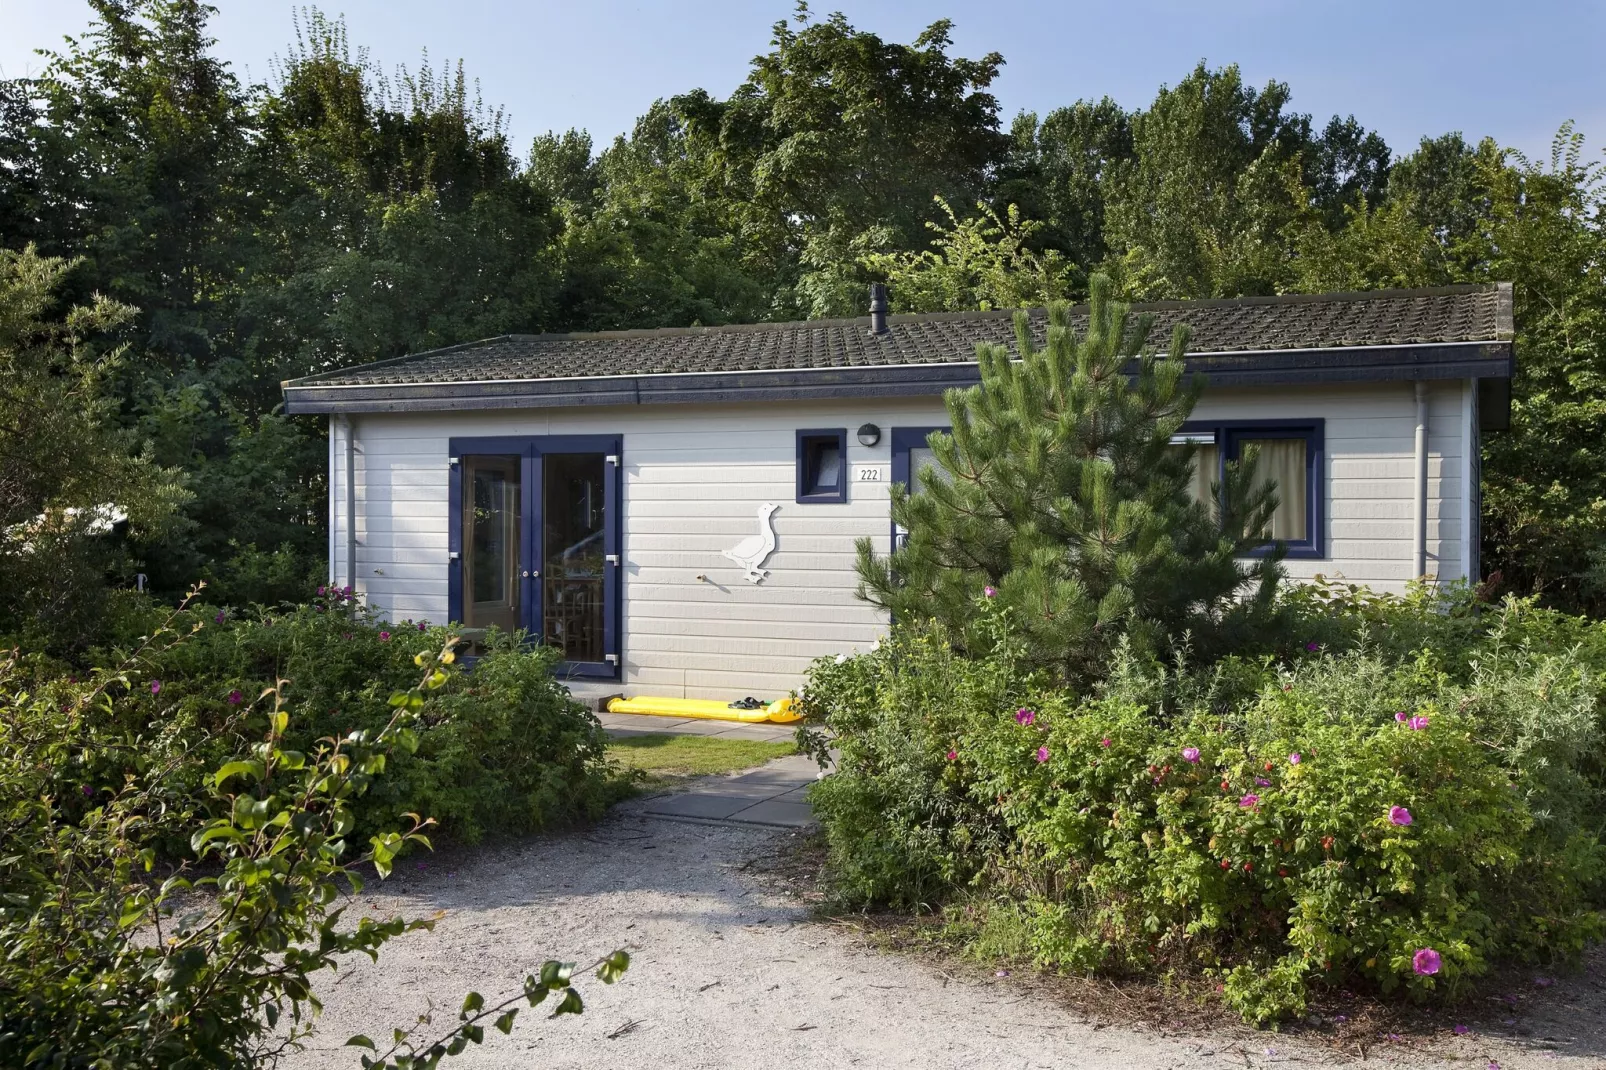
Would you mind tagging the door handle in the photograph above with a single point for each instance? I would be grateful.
(532, 573)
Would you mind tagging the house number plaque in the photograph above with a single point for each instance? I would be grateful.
(868, 473)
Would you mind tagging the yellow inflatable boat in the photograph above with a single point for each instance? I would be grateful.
(782, 711)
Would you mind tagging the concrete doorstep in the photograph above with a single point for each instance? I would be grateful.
(636, 724)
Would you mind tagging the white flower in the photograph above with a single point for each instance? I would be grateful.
(841, 659)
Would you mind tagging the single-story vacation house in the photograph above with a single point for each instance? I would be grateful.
(676, 509)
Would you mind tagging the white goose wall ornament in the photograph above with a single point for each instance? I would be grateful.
(754, 550)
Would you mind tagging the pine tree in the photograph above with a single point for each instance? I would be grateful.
(1059, 489)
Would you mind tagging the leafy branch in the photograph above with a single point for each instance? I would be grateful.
(554, 978)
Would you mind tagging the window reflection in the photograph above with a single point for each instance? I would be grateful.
(572, 510)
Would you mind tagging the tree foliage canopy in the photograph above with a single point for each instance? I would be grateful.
(340, 213)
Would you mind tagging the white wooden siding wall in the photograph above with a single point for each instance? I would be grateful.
(694, 476)
(1369, 479)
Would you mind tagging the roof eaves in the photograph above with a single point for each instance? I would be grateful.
(1449, 360)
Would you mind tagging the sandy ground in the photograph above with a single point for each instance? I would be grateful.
(730, 974)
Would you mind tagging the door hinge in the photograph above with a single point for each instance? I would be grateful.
(611, 659)
(453, 555)
(612, 559)
(453, 461)
(613, 459)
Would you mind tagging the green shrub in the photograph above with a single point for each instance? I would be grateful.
(503, 749)
(109, 958)
(1162, 825)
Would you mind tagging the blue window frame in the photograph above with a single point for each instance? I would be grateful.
(906, 443)
(822, 466)
(905, 439)
(1230, 436)
(566, 566)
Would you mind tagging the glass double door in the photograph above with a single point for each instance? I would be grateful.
(535, 543)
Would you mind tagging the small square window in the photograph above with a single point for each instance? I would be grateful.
(822, 465)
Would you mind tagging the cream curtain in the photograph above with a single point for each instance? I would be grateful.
(1282, 461)
(1206, 467)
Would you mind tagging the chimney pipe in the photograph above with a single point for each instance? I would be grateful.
(878, 308)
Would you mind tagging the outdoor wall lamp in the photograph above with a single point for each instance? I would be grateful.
(869, 435)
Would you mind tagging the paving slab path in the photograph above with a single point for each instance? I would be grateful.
(728, 974)
(773, 794)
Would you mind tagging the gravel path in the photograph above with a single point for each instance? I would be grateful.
(729, 975)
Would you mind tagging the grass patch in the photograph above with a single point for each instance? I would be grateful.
(664, 759)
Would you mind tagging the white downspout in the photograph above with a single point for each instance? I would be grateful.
(1469, 480)
(334, 508)
(351, 505)
(1419, 559)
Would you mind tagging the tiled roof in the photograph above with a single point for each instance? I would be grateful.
(1241, 326)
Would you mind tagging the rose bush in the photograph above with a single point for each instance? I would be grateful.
(1346, 816)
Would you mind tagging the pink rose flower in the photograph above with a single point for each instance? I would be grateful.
(1399, 815)
(1426, 962)
(1190, 754)
(384, 637)
(235, 698)
(1249, 801)
(990, 591)
(1402, 717)
(1105, 742)
(156, 687)
(953, 755)
(1024, 716)
(1294, 758)
(1042, 754)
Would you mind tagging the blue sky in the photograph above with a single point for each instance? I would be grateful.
(1406, 67)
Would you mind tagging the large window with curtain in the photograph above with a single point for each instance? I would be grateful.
(1290, 455)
